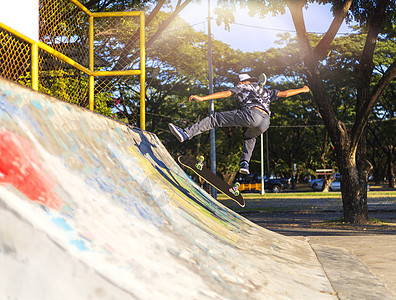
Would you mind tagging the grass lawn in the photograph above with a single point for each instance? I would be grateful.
(304, 192)
(311, 195)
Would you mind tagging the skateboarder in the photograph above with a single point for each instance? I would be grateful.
(254, 114)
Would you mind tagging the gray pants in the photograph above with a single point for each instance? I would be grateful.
(255, 120)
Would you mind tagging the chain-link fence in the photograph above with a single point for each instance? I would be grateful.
(121, 55)
(95, 60)
(15, 57)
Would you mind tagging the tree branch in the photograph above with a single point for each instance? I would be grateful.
(377, 92)
(314, 77)
(366, 65)
(324, 44)
(155, 11)
(366, 101)
(123, 59)
(295, 7)
(166, 23)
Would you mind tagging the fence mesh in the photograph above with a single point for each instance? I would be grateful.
(62, 81)
(15, 57)
(65, 27)
(123, 94)
(117, 43)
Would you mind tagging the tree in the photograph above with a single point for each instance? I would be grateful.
(350, 146)
(376, 19)
(125, 58)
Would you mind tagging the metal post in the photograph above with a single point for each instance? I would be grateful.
(34, 66)
(91, 63)
(143, 72)
(211, 105)
(262, 165)
(266, 143)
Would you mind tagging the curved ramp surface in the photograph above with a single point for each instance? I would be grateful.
(93, 209)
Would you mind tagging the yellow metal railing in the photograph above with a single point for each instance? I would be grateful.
(34, 53)
(90, 69)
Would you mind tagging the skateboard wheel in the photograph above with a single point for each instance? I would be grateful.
(199, 165)
(236, 186)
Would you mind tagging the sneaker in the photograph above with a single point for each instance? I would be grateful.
(178, 133)
(244, 169)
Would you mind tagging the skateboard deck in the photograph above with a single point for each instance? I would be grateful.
(207, 175)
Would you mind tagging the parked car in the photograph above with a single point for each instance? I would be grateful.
(334, 186)
(312, 182)
(337, 176)
(252, 183)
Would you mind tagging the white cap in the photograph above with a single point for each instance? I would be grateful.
(246, 77)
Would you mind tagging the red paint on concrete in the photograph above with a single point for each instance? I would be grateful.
(20, 167)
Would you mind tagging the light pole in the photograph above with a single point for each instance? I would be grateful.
(211, 104)
(262, 165)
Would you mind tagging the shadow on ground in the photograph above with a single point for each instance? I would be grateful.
(312, 217)
(322, 223)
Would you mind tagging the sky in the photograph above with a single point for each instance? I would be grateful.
(244, 34)
(22, 16)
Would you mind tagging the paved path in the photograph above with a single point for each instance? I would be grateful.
(374, 256)
(358, 260)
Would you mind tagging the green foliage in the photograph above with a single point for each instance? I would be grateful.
(62, 84)
(70, 87)
(101, 102)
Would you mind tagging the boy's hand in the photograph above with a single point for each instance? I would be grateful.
(305, 89)
(196, 98)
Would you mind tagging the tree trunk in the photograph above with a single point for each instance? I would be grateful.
(391, 174)
(228, 177)
(354, 193)
(327, 180)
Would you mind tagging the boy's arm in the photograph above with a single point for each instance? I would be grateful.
(218, 95)
(293, 92)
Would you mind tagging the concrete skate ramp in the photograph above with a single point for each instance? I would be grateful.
(93, 209)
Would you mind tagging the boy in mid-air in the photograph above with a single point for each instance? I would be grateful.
(254, 114)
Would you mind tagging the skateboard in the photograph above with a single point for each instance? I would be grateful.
(198, 167)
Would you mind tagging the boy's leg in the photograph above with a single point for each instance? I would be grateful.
(178, 132)
(220, 119)
(251, 133)
(247, 149)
